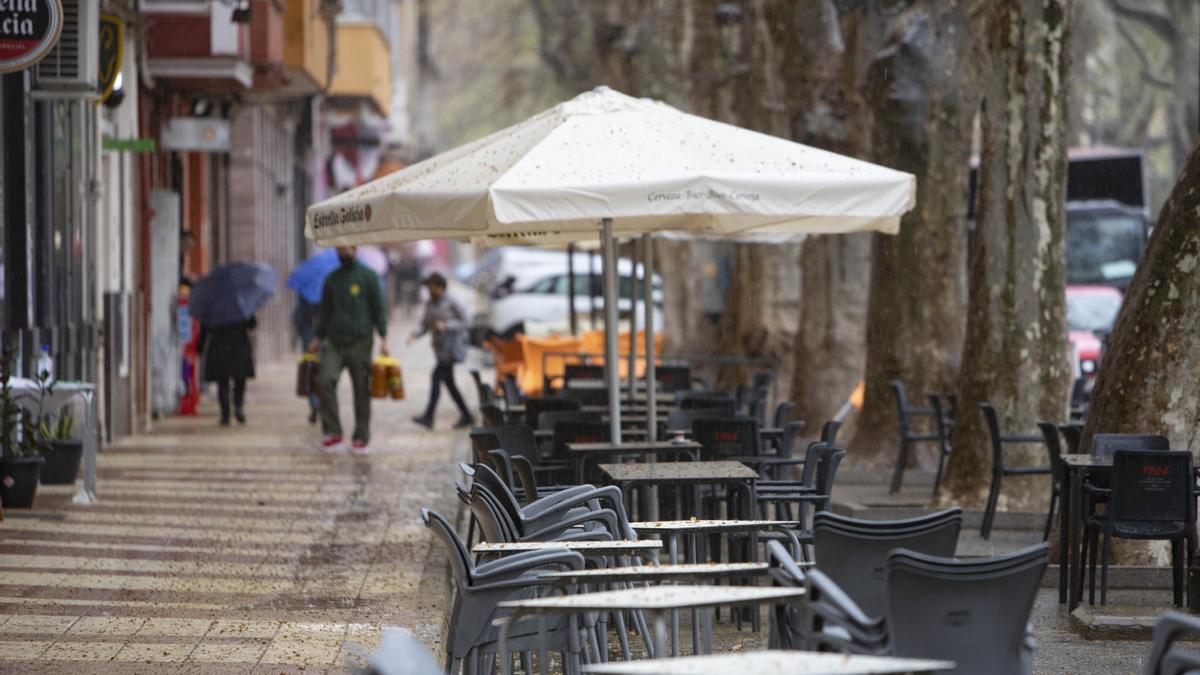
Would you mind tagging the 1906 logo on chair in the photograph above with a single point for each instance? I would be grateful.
(29, 29)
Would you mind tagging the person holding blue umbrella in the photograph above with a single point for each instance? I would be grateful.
(350, 312)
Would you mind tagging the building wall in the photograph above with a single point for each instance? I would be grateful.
(262, 224)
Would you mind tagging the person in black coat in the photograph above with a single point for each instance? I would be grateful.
(228, 357)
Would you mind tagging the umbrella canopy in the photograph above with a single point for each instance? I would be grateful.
(645, 165)
(308, 278)
(232, 293)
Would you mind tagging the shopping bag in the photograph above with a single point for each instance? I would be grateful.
(306, 374)
(386, 378)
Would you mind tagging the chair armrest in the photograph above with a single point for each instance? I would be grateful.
(603, 517)
(1093, 490)
(608, 497)
(833, 595)
(520, 563)
(550, 502)
(1024, 438)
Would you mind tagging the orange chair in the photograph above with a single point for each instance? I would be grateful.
(532, 377)
(508, 356)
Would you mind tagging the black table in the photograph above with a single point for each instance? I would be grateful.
(1071, 515)
(581, 453)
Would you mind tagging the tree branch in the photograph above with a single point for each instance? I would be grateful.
(1159, 23)
(1148, 75)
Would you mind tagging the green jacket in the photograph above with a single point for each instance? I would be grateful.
(351, 305)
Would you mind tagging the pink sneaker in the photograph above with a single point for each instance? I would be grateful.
(360, 448)
(332, 444)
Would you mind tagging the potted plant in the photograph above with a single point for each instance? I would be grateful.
(20, 460)
(62, 450)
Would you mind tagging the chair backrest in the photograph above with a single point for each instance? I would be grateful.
(724, 437)
(682, 419)
(492, 415)
(787, 442)
(456, 550)
(813, 456)
(901, 402)
(579, 431)
(992, 419)
(1169, 628)
(673, 378)
(1151, 485)
(494, 525)
(690, 400)
(512, 390)
(501, 464)
(535, 407)
(487, 480)
(972, 612)
(515, 439)
(782, 413)
(786, 619)
(1181, 661)
(1053, 448)
(831, 459)
(829, 432)
(587, 372)
(586, 395)
(1105, 445)
(853, 552)
(1072, 433)
(547, 420)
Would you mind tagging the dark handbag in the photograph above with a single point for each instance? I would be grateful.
(306, 374)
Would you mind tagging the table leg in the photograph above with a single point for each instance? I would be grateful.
(88, 494)
(1064, 524)
(674, 614)
(659, 622)
(695, 548)
(1074, 574)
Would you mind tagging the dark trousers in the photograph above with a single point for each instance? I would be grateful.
(444, 373)
(239, 395)
(355, 358)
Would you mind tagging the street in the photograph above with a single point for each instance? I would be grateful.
(235, 548)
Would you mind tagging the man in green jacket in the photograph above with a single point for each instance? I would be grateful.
(351, 310)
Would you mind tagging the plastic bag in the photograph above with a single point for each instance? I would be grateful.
(387, 380)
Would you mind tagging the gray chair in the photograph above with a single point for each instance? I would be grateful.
(853, 552)
(831, 621)
(974, 612)
(783, 413)
(999, 468)
(908, 437)
(1164, 657)
(480, 588)
(786, 630)
(564, 516)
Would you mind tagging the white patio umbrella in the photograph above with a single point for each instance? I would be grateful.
(611, 165)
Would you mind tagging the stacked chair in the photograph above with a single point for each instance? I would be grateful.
(1167, 659)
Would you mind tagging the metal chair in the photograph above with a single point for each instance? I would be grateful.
(974, 612)
(1170, 627)
(908, 437)
(1153, 497)
(671, 379)
(783, 412)
(786, 630)
(853, 551)
(999, 468)
(726, 437)
(945, 409)
(534, 407)
(479, 589)
(1050, 433)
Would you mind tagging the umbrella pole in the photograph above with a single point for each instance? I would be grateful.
(612, 369)
(651, 382)
(633, 285)
(592, 287)
(571, 289)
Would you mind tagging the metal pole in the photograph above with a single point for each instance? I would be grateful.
(651, 382)
(571, 289)
(612, 366)
(592, 286)
(648, 294)
(633, 285)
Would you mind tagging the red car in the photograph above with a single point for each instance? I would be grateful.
(1091, 311)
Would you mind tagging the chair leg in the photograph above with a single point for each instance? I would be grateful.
(1093, 540)
(1177, 571)
(937, 478)
(1050, 514)
(989, 513)
(1104, 567)
(901, 462)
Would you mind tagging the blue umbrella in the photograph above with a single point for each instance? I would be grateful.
(232, 293)
(308, 278)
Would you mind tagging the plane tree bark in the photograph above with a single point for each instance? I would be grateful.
(1148, 381)
(923, 95)
(1015, 350)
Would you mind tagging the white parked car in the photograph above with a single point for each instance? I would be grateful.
(539, 305)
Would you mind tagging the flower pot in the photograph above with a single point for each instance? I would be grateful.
(62, 462)
(19, 480)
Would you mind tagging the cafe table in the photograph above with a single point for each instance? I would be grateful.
(734, 474)
(582, 453)
(772, 663)
(655, 602)
(1071, 515)
(621, 547)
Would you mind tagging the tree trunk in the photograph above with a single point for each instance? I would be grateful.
(1015, 352)
(1148, 382)
(923, 95)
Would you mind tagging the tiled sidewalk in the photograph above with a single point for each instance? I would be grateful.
(238, 549)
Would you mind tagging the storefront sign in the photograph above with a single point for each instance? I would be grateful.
(201, 134)
(29, 29)
(112, 47)
(127, 144)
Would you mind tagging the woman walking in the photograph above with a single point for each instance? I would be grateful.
(228, 360)
(446, 320)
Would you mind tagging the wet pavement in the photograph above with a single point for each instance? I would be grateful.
(236, 549)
